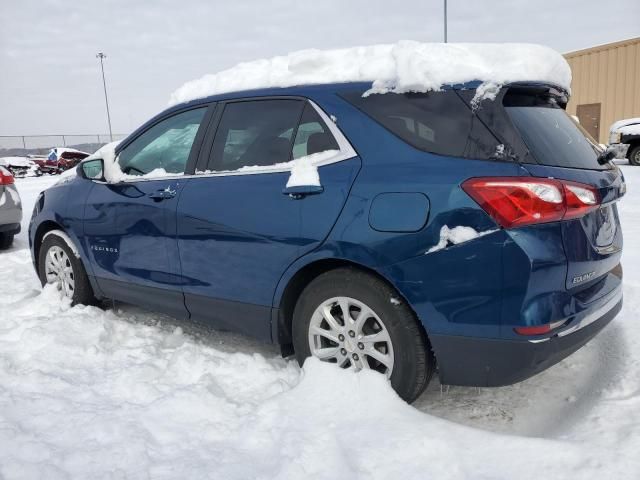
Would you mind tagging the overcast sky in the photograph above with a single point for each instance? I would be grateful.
(50, 78)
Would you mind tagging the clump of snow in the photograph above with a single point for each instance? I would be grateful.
(107, 153)
(457, 235)
(406, 66)
(304, 170)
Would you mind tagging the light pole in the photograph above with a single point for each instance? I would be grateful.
(445, 21)
(102, 56)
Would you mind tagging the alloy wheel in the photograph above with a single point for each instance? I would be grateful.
(59, 271)
(348, 333)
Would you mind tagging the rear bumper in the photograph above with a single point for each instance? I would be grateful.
(483, 362)
(11, 228)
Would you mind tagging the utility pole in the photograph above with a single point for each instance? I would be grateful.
(445, 21)
(102, 56)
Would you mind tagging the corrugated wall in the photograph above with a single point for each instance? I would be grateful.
(609, 75)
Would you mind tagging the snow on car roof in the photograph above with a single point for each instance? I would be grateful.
(405, 66)
(61, 150)
(17, 161)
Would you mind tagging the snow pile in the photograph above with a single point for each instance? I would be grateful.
(406, 66)
(87, 393)
(456, 235)
(117, 394)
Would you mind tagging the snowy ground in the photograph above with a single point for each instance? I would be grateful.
(86, 393)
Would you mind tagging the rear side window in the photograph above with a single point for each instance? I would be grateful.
(554, 138)
(312, 136)
(255, 133)
(436, 122)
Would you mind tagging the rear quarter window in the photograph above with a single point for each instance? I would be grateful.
(554, 138)
(435, 122)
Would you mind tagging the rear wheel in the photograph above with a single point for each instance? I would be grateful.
(356, 321)
(6, 240)
(634, 156)
(59, 266)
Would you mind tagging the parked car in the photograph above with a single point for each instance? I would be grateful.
(21, 166)
(624, 137)
(60, 159)
(478, 241)
(10, 209)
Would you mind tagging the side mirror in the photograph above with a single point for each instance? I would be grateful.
(607, 155)
(93, 169)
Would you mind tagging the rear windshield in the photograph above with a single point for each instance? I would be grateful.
(554, 138)
(436, 122)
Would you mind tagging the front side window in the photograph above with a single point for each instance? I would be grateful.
(255, 133)
(165, 146)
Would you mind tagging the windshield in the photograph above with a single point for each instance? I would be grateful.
(554, 138)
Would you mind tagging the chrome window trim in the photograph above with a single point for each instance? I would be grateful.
(345, 152)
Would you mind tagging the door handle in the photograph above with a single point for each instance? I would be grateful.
(163, 194)
(302, 191)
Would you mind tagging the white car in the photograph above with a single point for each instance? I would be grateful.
(21, 166)
(624, 137)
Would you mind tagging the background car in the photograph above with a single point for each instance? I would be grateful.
(10, 208)
(21, 166)
(60, 159)
(624, 136)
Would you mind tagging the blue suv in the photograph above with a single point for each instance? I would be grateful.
(481, 241)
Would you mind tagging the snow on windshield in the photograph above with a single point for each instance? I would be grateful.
(406, 66)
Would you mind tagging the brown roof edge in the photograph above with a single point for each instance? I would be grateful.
(599, 48)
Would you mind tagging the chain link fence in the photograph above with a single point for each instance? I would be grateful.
(23, 145)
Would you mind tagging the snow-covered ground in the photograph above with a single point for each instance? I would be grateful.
(87, 393)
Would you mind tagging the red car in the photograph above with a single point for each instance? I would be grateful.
(60, 159)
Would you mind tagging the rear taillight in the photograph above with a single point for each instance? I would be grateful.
(518, 201)
(5, 177)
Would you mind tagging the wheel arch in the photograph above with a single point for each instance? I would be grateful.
(44, 228)
(283, 321)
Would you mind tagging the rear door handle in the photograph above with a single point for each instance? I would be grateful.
(302, 191)
(163, 194)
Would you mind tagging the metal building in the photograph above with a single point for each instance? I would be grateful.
(605, 86)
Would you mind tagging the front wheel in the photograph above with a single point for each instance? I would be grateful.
(6, 240)
(59, 266)
(634, 156)
(357, 321)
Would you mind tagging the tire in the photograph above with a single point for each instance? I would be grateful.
(81, 293)
(407, 349)
(6, 240)
(634, 156)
